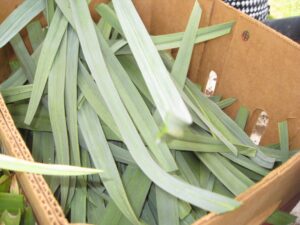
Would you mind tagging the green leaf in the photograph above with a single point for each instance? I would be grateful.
(48, 53)
(10, 202)
(19, 77)
(94, 138)
(171, 41)
(147, 215)
(132, 178)
(226, 102)
(36, 34)
(284, 139)
(167, 209)
(105, 28)
(8, 218)
(95, 210)
(281, 218)
(247, 163)
(182, 62)
(56, 104)
(228, 129)
(95, 99)
(242, 117)
(37, 142)
(20, 165)
(27, 63)
(16, 93)
(19, 18)
(28, 217)
(205, 147)
(79, 201)
(163, 91)
(5, 182)
(121, 155)
(137, 109)
(50, 9)
(16, 79)
(71, 94)
(109, 16)
(41, 121)
(227, 174)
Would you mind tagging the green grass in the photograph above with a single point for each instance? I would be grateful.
(284, 8)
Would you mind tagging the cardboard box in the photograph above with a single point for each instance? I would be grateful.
(262, 71)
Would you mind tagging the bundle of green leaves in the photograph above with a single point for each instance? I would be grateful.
(111, 96)
(13, 209)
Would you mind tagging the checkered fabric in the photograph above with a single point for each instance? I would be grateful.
(258, 9)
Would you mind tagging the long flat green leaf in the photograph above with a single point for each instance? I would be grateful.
(207, 121)
(79, 200)
(41, 121)
(121, 155)
(95, 99)
(284, 139)
(109, 16)
(71, 119)
(16, 93)
(102, 158)
(148, 215)
(181, 66)
(95, 210)
(48, 53)
(189, 167)
(163, 91)
(204, 147)
(105, 28)
(50, 9)
(16, 79)
(36, 34)
(19, 77)
(247, 163)
(137, 108)
(226, 102)
(20, 165)
(224, 174)
(242, 117)
(27, 63)
(57, 113)
(71, 94)
(228, 128)
(132, 178)
(37, 141)
(171, 41)
(167, 209)
(19, 18)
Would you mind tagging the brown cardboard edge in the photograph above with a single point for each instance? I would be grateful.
(35, 188)
(7, 126)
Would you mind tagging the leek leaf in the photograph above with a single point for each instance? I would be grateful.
(19, 18)
(20, 165)
(50, 47)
